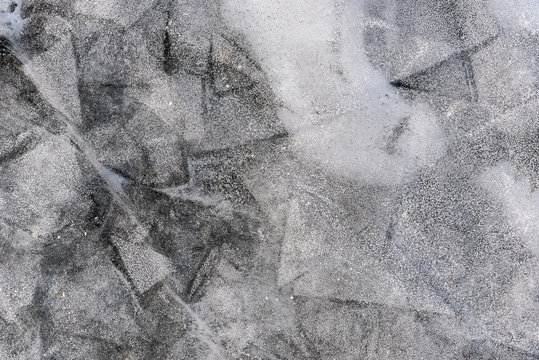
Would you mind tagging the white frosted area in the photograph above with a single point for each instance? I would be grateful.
(340, 110)
(520, 202)
(518, 15)
(11, 23)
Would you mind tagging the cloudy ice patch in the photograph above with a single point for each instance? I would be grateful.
(340, 111)
(519, 15)
(11, 23)
(520, 203)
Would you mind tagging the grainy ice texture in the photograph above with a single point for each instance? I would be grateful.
(229, 179)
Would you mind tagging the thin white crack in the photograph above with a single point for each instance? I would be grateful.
(204, 333)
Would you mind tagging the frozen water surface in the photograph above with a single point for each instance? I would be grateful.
(225, 179)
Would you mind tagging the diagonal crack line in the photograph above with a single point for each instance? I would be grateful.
(204, 333)
(118, 195)
(111, 183)
(203, 272)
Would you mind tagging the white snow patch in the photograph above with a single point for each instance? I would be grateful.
(520, 203)
(517, 15)
(340, 111)
(11, 23)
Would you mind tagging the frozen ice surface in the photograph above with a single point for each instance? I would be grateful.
(225, 179)
(11, 22)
